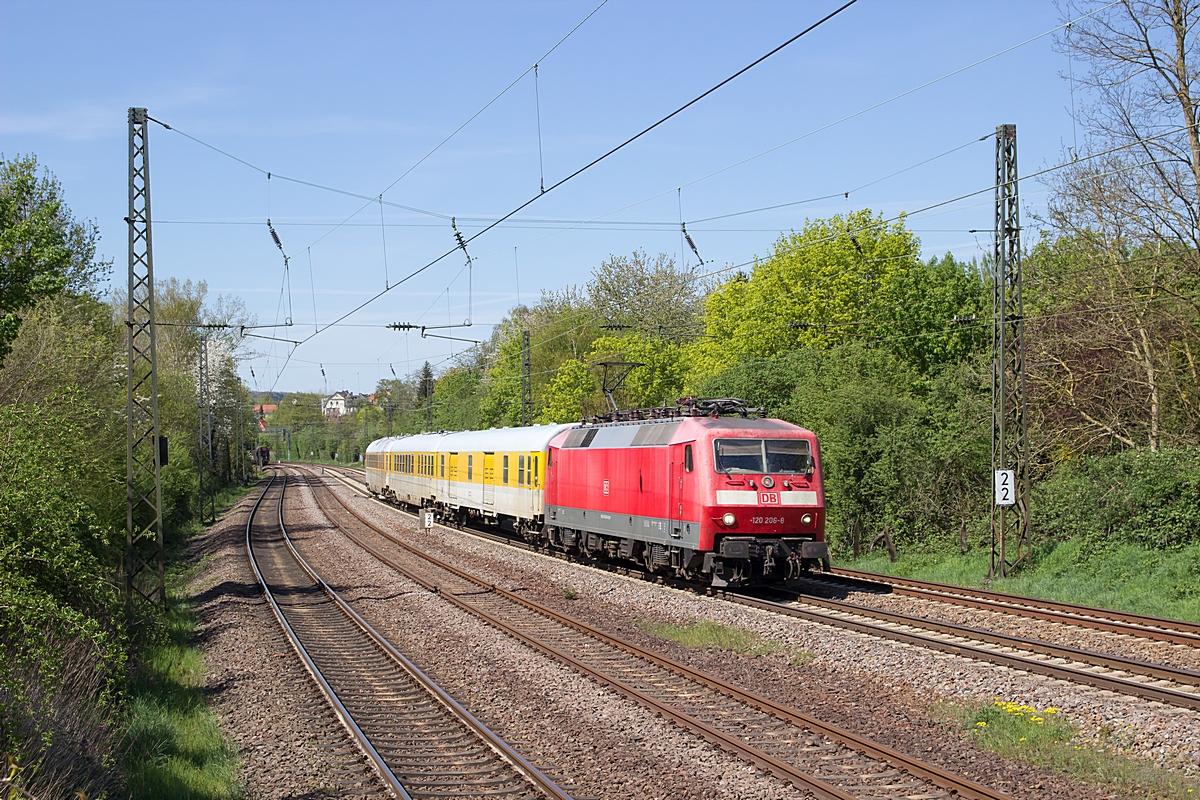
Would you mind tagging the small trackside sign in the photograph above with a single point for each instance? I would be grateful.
(1005, 486)
(768, 498)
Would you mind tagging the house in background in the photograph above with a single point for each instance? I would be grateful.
(261, 410)
(344, 403)
(336, 405)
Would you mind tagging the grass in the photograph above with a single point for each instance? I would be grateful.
(175, 747)
(570, 593)
(707, 635)
(1127, 578)
(1045, 738)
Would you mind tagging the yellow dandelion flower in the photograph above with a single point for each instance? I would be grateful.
(1022, 738)
(981, 724)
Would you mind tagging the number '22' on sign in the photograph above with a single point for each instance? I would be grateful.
(1005, 487)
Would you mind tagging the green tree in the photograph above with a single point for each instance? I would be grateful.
(843, 279)
(571, 395)
(650, 295)
(457, 397)
(44, 250)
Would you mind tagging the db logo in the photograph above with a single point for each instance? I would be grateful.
(768, 498)
(606, 487)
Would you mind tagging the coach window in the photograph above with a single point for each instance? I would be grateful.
(470, 467)
(687, 458)
(535, 471)
(504, 471)
(520, 470)
(442, 466)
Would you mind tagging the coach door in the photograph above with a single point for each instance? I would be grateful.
(489, 479)
(452, 477)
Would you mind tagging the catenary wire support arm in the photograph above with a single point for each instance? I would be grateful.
(408, 326)
(688, 237)
(462, 243)
(145, 447)
(1010, 535)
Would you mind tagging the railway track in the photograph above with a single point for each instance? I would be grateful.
(420, 742)
(1155, 682)
(797, 748)
(1138, 625)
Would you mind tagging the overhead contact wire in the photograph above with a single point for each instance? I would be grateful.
(601, 158)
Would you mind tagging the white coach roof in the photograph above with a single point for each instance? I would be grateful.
(495, 440)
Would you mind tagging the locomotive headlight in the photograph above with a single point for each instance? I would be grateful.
(768, 481)
(806, 519)
(729, 519)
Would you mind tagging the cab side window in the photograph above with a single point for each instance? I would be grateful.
(688, 463)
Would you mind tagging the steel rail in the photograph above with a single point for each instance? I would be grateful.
(945, 780)
(1140, 625)
(1164, 695)
(1133, 666)
(360, 739)
(1126, 686)
(497, 745)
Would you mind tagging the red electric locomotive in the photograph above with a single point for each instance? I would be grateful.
(710, 489)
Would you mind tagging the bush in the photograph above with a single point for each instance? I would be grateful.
(1143, 498)
(61, 647)
(901, 452)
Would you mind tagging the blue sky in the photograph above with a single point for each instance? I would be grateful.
(351, 95)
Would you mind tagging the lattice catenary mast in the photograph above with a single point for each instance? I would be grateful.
(1010, 433)
(526, 380)
(146, 450)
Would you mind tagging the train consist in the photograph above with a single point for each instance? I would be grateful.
(707, 490)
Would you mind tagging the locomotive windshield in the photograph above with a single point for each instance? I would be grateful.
(785, 456)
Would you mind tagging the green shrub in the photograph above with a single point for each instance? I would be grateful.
(62, 650)
(1143, 498)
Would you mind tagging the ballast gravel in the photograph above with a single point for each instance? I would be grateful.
(585, 737)
(1083, 638)
(858, 679)
(289, 743)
